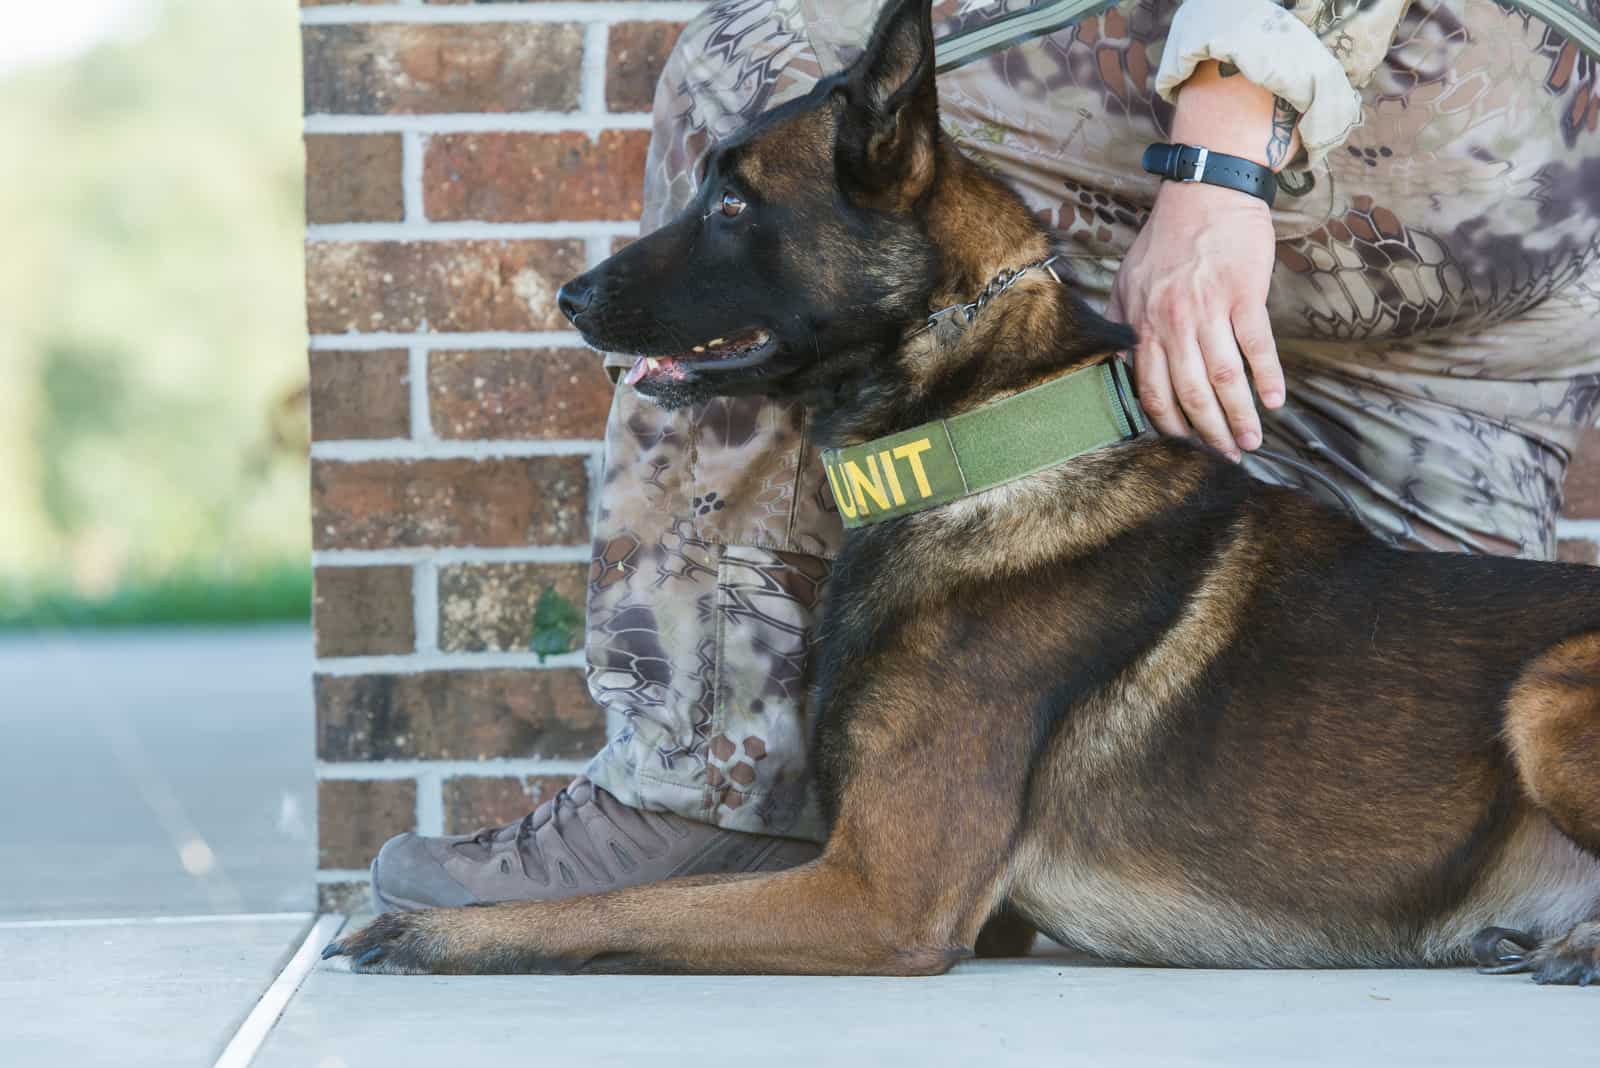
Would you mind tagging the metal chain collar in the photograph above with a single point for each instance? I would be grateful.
(997, 285)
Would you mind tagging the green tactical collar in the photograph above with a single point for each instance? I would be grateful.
(947, 459)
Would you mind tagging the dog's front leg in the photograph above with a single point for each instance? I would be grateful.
(917, 860)
(821, 918)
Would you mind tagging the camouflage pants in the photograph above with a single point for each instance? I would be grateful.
(1434, 300)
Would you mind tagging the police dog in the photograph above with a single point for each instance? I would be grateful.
(1140, 702)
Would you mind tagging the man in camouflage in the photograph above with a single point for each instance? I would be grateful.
(1436, 283)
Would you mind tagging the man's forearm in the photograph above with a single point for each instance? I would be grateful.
(1224, 111)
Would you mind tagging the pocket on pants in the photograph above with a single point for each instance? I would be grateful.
(757, 479)
(768, 603)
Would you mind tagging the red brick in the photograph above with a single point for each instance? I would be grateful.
(355, 818)
(523, 177)
(364, 611)
(389, 504)
(474, 801)
(439, 286)
(1578, 551)
(353, 178)
(638, 52)
(360, 395)
(416, 68)
(539, 394)
(457, 715)
(1582, 488)
(489, 607)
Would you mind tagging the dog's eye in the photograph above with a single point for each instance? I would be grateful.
(732, 204)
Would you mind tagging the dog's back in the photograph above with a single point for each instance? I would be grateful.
(1261, 736)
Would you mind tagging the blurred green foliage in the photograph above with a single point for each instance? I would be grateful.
(187, 596)
(151, 326)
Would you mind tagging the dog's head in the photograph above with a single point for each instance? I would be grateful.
(818, 242)
(802, 244)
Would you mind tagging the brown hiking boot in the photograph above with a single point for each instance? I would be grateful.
(582, 841)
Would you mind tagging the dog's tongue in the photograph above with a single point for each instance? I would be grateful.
(641, 367)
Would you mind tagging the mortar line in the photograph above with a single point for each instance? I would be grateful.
(554, 11)
(596, 46)
(398, 770)
(422, 431)
(413, 149)
(529, 339)
(430, 803)
(425, 606)
(525, 554)
(480, 122)
(417, 663)
(418, 229)
(403, 449)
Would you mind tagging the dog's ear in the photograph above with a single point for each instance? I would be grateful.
(891, 116)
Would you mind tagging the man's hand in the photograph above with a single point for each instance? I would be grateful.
(1194, 287)
(1194, 284)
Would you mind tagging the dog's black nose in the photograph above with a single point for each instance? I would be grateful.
(574, 298)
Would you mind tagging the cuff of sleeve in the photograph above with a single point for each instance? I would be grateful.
(1274, 50)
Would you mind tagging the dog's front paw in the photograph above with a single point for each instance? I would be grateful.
(396, 943)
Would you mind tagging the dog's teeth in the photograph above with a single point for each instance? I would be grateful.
(699, 348)
(652, 363)
(714, 342)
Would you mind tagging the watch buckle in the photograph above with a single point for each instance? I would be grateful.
(1199, 165)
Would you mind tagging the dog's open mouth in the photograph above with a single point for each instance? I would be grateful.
(748, 348)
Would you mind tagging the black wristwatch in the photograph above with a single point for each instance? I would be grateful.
(1189, 163)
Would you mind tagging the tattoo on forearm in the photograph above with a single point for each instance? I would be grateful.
(1284, 117)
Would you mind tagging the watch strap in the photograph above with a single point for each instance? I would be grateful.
(1192, 163)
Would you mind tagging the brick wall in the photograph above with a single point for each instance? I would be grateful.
(462, 160)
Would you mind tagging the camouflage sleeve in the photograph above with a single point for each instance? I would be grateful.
(1315, 54)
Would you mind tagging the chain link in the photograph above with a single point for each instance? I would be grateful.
(997, 285)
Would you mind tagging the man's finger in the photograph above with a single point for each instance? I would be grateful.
(1198, 398)
(1253, 330)
(1225, 372)
(1154, 384)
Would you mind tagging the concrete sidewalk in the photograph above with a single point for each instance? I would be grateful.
(157, 826)
(81, 993)
(1046, 1010)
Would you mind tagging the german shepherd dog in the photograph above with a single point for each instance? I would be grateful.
(1140, 702)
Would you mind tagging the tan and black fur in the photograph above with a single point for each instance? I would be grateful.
(1139, 702)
